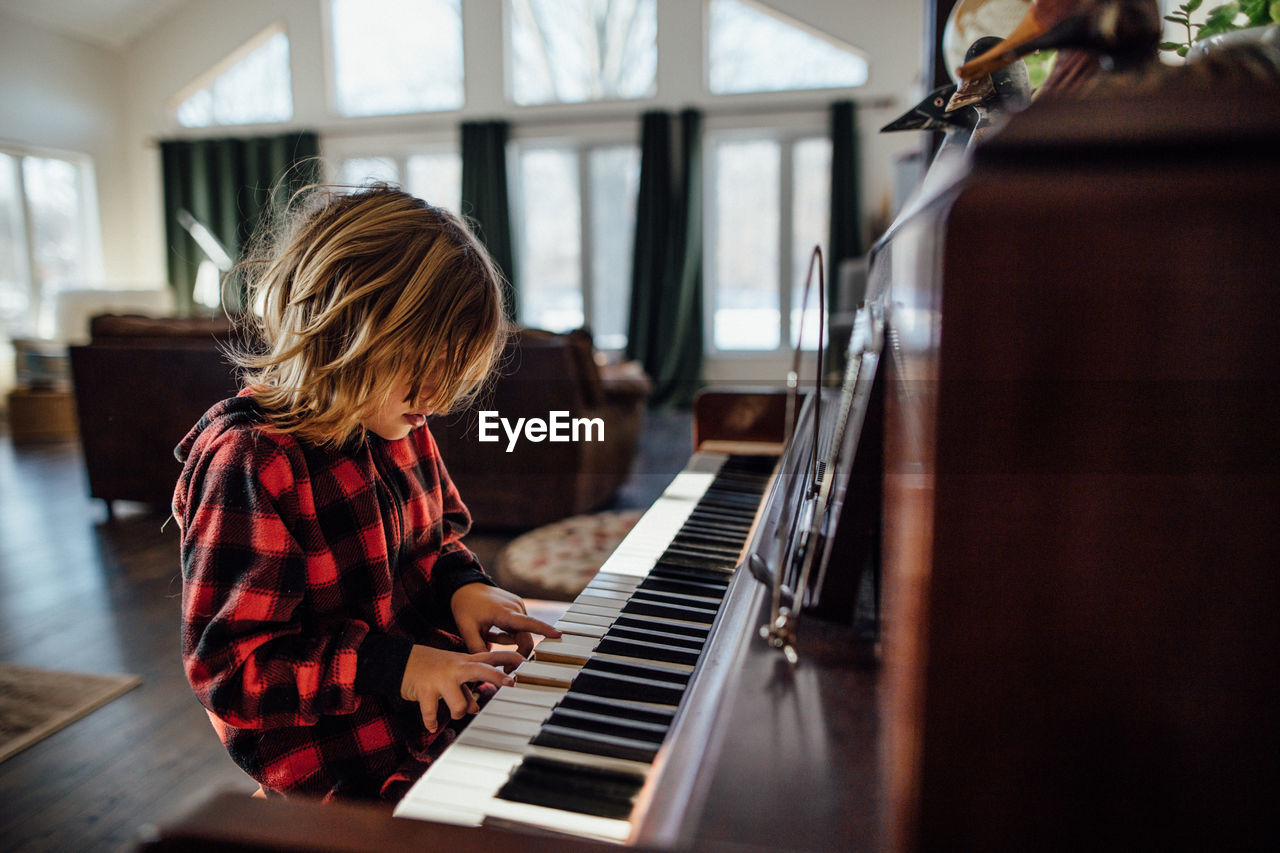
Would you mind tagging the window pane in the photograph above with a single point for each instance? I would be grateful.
(256, 89)
(360, 171)
(810, 218)
(570, 51)
(57, 228)
(615, 179)
(436, 178)
(14, 295)
(746, 313)
(551, 240)
(755, 49)
(397, 56)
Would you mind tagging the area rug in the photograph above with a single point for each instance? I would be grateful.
(35, 703)
(557, 560)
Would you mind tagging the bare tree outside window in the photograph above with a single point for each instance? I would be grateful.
(572, 51)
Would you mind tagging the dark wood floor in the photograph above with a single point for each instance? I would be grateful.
(80, 592)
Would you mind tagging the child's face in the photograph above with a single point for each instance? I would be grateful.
(398, 416)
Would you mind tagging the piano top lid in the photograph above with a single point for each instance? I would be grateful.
(1182, 116)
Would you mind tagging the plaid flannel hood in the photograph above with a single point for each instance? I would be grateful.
(308, 574)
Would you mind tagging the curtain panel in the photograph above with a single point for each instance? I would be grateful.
(664, 331)
(232, 187)
(485, 200)
(845, 240)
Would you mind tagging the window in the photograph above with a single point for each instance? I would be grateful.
(396, 56)
(571, 51)
(45, 237)
(754, 48)
(576, 218)
(434, 176)
(769, 206)
(251, 86)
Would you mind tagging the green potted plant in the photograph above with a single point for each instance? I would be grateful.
(1221, 19)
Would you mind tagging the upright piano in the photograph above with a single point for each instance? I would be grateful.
(1055, 452)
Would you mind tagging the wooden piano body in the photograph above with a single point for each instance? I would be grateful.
(1080, 550)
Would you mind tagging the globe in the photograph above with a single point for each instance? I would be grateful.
(970, 20)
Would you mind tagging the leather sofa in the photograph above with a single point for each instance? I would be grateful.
(516, 485)
(140, 384)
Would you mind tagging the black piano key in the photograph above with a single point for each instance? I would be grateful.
(676, 568)
(676, 556)
(668, 610)
(651, 635)
(656, 671)
(617, 686)
(692, 599)
(591, 721)
(657, 583)
(594, 743)
(646, 650)
(571, 787)
(620, 708)
(625, 620)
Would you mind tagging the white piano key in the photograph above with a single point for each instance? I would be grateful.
(529, 694)
(581, 629)
(463, 775)
(481, 738)
(567, 649)
(610, 609)
(588, 618)
(592, 598)
(525, 728)
(429, 809)
(476, 756)
(537, 672)
(445, 797)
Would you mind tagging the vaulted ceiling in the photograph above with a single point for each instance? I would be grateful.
(108, 23)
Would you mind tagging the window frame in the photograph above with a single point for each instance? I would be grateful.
(582, 145)
(40, 320)
(329, 55)
(788, 138)
(211, 75)
(398, 148)
(509, 70)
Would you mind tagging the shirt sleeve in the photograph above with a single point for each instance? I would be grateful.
(453, 565)
(249, 653)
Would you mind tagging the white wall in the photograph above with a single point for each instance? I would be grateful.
(66, 95)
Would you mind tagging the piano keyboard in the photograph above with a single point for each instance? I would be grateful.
(569, 747)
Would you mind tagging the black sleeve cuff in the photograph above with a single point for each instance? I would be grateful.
(380, 663)
(451, 573)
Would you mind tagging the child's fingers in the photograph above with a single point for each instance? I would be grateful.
(458, 698)
(521, 622)
(429, 706)
(471, 636)
(477, 671)
(502, 659)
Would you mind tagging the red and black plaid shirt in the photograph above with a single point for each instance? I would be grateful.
(308, 574)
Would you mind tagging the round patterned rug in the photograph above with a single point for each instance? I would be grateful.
(556, 561)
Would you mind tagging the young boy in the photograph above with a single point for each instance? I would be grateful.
(329, 606)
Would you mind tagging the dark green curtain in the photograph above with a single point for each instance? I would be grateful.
(485, 201)
(230, 186)
(845, 239)
(664, 331)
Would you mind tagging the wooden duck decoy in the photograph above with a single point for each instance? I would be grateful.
(1090, 35)
(932, 114)
(1006, 88)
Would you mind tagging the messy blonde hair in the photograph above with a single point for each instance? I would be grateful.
(364, 291)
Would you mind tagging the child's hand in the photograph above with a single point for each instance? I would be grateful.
(478, 608)
(435, 674)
